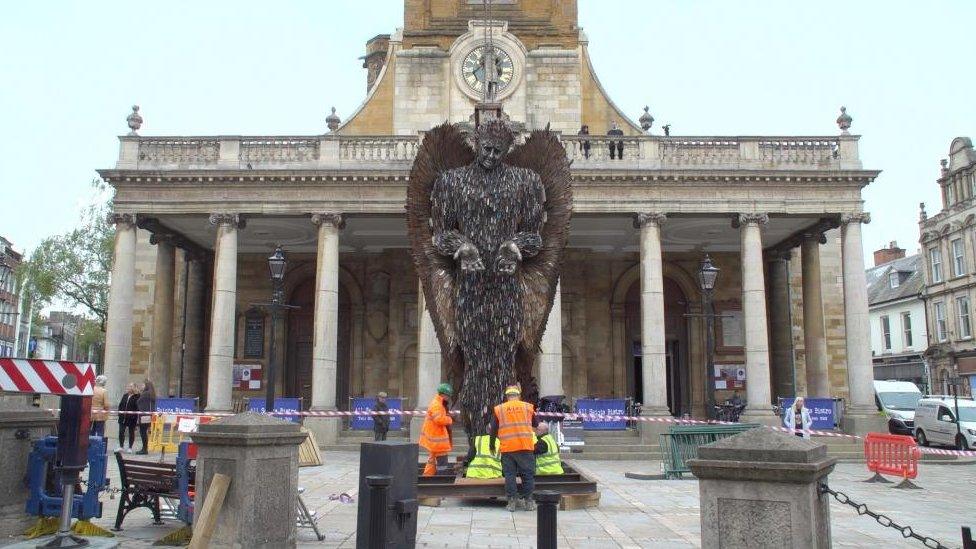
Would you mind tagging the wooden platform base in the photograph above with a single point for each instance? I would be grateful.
(577, 490)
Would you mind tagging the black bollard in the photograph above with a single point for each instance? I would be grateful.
(967, 538)
(547, 501)
(379, 507)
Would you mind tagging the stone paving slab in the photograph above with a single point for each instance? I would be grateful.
(632, 513)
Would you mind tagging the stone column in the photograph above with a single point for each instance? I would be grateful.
(814, 337)
(761, 488)
(326, 332)
(551, 360)
(754, 319)
(653, 358)
(861, 415)
(428, 363)
(220, 363)
(187, 353)
(260, 455)
(160, 353)
(118, 326)
(780, 326)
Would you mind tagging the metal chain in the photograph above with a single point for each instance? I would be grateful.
(862, 509)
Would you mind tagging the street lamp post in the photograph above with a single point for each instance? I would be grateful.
(707, 275)
(276, 265)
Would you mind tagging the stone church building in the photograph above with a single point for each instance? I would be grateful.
(780, 216)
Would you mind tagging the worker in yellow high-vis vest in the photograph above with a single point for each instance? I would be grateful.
(547, 460)
(482, 461)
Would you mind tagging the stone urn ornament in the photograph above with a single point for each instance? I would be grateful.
(844, 121)
(646, 120)
(134, 120)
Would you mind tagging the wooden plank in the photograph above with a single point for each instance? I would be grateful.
(206, 522)
(308, 452)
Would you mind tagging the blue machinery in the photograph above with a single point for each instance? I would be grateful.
(44, 482)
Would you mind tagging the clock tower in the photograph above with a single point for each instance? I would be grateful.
(433, 69)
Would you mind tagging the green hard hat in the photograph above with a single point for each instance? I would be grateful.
(445, 389)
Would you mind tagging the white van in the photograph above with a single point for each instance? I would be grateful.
(935, 422)
(897, 399)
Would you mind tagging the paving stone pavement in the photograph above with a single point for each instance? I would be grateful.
(632, 513)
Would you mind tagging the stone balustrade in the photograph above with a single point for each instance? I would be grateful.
(339, 152)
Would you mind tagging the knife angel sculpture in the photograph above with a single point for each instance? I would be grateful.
(487, 230)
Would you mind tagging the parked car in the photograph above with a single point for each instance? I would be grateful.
(897, 400)
(936, 422)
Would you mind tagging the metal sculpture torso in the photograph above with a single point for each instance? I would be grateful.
(500, 213)
(487, 239)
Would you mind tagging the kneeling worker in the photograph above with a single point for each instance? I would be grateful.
(482, 460)
(547, 461)
(512, 425)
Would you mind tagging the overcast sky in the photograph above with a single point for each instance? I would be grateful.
(69, 72)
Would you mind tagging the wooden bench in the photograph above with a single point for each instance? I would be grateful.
(143, 483)
(681, 443)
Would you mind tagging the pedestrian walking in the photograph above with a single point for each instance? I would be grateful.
(512, 428)
(146, 405)
(381, 421)
(128, 420)
(99, 407)
(797, 418)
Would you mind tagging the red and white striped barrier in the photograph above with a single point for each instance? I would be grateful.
(53, 377)
(592, 417)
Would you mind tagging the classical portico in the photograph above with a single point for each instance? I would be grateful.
(197, 217)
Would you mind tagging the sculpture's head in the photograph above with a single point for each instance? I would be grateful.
(493, 139)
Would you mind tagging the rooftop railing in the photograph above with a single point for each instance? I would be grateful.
(599, 153)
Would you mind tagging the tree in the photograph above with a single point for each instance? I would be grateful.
(74, 267)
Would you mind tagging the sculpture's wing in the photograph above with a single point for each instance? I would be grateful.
(545, 155)
(442, 149)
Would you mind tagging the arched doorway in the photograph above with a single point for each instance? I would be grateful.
(676, 346)
(301, 326)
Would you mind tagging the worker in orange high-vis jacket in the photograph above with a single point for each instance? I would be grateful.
(512, 426)
(436, 434)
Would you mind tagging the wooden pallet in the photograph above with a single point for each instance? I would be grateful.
(308, 452)
(578, 491)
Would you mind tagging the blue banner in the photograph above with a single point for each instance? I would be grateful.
(176, 405)
(603, 407)
(281, 404)
(365, 404)
(823, 411)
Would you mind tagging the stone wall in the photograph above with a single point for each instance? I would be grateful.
(421, 90)
(142, 305)
(553, 93)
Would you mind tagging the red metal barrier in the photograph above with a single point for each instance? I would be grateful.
(895, 455)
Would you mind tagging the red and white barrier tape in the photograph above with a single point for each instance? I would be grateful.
(570, 416)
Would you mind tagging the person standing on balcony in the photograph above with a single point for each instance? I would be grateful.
(584, 135)
(615, 145)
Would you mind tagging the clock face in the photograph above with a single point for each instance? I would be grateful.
(473, 69)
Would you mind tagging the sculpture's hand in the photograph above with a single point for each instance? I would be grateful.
(508, 257)
(469, 257)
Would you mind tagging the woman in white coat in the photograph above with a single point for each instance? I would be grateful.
(796, 418)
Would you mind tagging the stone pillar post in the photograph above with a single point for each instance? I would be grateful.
(325, 346)
(160, 353)
(780, 326)
(118, 326)
(761, 488)
(220, 363)
(193, 352)
(260, 455)
(814, 338)
(428, 363)
(653, 359)
(754, 318)
(861, 415)
(20, 425)
(551, 360)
